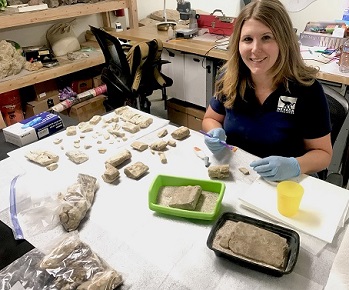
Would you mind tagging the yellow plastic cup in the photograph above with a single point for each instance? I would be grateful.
(289, 196)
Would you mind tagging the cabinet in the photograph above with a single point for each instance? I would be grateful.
(192, 76)
(26, 78)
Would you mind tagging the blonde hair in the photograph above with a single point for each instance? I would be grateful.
(289, 65)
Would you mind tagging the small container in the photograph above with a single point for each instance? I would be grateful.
(118, 27)
(11, 108)
(206, 185)
(344, 58)
(291, 236)
(289, 196)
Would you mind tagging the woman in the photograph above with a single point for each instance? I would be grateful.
(267, 100)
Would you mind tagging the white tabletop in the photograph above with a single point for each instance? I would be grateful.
(154, 251)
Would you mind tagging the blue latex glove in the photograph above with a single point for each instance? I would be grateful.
(218, 134)
(276, 168)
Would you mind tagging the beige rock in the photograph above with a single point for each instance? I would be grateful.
(136, 170)
(52, 166)
(77, 156)
(185, 197)
(258, 244)
(172, 143)
(119, 158)
(180, 133)
(162, 133)
(132, 128)
(95, 120)
(42, 157)
(163, 158)
(139, 146)
(71, 131)
(116, 132)
(102, 150)
(244, 171)
(158, 145)
(219, 171)
(86, 127)
(110, 174)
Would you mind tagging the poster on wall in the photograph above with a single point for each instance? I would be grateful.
(296, 5)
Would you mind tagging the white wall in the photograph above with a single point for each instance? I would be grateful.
(320, 10)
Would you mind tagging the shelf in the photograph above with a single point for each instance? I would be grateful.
(8, 19)
(27, 78)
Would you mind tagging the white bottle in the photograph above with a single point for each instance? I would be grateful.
(344, 59)
(170, 32)
(118, 27)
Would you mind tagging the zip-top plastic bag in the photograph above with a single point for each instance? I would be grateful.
(67, 263)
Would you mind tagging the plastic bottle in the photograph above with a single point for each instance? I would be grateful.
(118, 27)
(170, 32)
(344, 59)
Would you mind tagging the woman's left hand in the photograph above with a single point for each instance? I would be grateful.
(277, 168)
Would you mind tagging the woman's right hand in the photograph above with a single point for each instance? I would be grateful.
(213, 143)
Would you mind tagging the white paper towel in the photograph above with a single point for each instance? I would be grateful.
(339, 275)
(322, 211)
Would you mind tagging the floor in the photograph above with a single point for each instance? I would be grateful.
(157, 107)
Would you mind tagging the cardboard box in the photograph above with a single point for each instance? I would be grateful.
(195, 117)
(97, 81)
(320, 34)
(185, 114)
(177, 112)
(45, 90)
(85, 110)
(81, 86)
(317, 39)
(33, 129)
(36, 107)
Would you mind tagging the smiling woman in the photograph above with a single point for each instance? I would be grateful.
(264, 94)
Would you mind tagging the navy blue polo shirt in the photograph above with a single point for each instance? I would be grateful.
(280, 125)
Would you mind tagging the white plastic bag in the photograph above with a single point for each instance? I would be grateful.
(62, 39)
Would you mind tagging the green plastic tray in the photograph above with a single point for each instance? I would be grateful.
(206, 185)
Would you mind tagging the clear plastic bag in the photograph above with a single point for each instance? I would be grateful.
(76, 201)
(31, 215)
(69, 264)
(25, 271)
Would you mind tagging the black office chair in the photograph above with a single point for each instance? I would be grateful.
(339, 108)
(131, 76)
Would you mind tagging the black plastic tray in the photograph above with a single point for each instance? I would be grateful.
(291, 236)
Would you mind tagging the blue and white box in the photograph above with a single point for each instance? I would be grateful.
(32, 129)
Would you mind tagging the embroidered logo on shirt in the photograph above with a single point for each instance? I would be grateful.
(286, 105)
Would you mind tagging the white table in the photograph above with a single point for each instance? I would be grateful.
(154, 251)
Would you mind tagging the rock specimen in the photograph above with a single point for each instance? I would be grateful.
(73, 265)
(136, 170)
(42, 157)
(254, 243)
(77, 156)
(139, 146)
(76, 201)
(186, 197)
(219, 171)
(180, 133)
(158, 145)
(119, 158)
(110, 174)
(131, 128)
